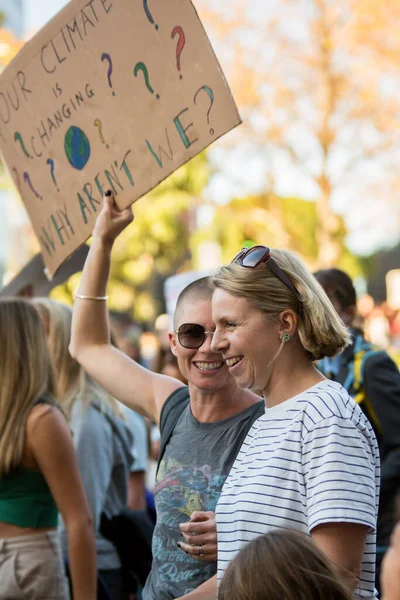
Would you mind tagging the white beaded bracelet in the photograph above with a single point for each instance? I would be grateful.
(82, 297)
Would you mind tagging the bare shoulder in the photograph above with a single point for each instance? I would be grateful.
(44, 417)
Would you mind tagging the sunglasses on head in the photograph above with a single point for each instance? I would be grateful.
(192, 335)
(252, 257)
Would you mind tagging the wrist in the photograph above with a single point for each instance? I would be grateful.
(99, 243)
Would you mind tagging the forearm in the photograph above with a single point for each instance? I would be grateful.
(205, 591)
(82, 559)
(90, 317)
(137, 494)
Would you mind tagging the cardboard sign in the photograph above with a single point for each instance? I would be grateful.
(33, 280)
(110, 94)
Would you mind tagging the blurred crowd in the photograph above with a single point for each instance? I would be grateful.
(381, 324)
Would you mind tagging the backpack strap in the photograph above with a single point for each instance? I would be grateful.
(97, 406)
(360, 393)
(48, 399)
(171, 411)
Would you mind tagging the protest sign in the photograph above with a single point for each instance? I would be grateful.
(110, 94)
(33, 280)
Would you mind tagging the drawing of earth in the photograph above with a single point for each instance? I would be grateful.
(77, 147)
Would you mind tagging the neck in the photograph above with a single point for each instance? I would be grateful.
(282, 387)
(210, 406)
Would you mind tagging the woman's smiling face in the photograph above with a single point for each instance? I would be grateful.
(247, 340)
(202, 367)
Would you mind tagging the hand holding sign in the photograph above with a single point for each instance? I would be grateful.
(111, 221)
(107, 96)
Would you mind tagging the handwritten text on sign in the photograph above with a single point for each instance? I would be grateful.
(110, 94)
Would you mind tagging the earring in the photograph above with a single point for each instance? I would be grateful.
(285, 336)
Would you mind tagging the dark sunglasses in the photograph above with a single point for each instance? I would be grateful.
(191, 335)
(252, 257)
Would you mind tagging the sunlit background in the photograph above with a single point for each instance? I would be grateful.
(313, 168)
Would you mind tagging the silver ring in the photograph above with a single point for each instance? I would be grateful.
(201, 553)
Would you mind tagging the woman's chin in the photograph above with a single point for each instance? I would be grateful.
(245, 382)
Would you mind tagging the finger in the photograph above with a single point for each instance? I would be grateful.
(195, 540)
(200, 553)
(207, 557)
(127, 214)
(197, 528)
(201, 515)
(108, 200)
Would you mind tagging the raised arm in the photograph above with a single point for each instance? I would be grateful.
(90, 345)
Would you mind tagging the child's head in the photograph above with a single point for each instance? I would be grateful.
(281, 565)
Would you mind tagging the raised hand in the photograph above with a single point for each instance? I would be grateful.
(111, 221)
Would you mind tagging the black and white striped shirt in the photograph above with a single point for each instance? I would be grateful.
(310, 460)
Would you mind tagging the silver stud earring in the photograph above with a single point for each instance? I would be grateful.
(285, 336)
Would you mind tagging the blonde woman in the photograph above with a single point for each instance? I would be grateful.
(102, 440)
(38, 471)
(310, 463)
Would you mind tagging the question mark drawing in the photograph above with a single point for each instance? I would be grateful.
(50, 162)
(142, 67)
(28, 181)
(18, 138)
(210, 94)
(17, 178)
(98, 124)
(180, 45)
(148, 13)
(107, 57)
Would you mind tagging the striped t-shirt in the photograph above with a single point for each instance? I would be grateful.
(310, 460)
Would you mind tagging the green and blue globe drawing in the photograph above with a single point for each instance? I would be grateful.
(77, 147)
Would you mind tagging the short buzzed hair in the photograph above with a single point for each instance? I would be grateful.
(200, 289)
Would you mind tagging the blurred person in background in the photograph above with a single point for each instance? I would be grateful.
(377, 326)
(126, 337)
(164, 361)
(390, 572)
(373, 380)
(102, 441)
(38, 471)
(140, 452)
(281, 565)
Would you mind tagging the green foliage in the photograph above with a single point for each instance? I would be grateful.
(289, 223)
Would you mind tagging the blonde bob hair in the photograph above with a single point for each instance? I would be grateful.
(321, 331)
(72, 382)
(26, 374)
